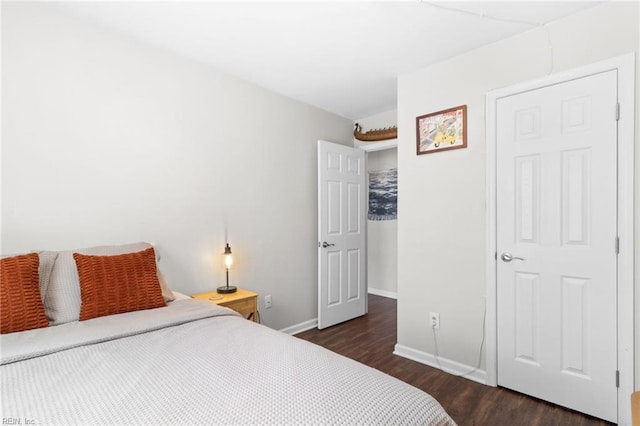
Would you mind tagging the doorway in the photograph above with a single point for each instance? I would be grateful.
(382, 231)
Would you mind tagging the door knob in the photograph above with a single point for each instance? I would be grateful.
(507, 257)
(326, 244)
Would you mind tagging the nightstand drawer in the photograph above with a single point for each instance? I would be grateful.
(243, 301)
(244, 306)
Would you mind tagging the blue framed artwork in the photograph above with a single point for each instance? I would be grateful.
(383, 195)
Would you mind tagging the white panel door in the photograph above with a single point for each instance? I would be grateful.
(342, 284)
(556, 243)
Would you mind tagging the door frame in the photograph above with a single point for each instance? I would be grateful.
(625, 65)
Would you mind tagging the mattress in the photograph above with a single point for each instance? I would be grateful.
(194, 362)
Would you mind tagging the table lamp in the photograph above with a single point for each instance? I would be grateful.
(228, 262)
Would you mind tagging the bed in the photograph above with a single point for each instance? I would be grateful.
(187, 362)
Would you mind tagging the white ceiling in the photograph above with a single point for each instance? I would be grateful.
(343, 57)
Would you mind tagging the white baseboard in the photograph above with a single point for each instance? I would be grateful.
(299, 328)
(444, 364)
(313, 323)
(383, 293)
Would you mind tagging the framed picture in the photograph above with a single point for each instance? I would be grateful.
(383, 194)
(442, 130)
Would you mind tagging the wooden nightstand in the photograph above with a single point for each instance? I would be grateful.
(242, 301)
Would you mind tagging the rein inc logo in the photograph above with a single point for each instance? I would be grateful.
(17, 421)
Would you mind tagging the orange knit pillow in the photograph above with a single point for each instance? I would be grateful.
(116, 284)
(21, 305)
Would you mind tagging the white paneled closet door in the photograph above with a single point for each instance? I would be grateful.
(556, 243)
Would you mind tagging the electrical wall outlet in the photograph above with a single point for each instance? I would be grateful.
(267, 301)
(434, 320)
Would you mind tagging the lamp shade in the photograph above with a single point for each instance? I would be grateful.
(228, 257)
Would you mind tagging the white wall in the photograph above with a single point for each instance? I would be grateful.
(441, 234)
(382, 235)
(106, 140)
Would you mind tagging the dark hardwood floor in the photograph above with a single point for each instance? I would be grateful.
(371, 339)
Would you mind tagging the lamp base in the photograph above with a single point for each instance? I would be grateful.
(227, 289)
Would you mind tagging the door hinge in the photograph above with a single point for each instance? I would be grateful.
(617, 111)
(617, 378)
(617, 245)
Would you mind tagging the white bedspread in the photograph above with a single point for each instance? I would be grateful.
(194, 363)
